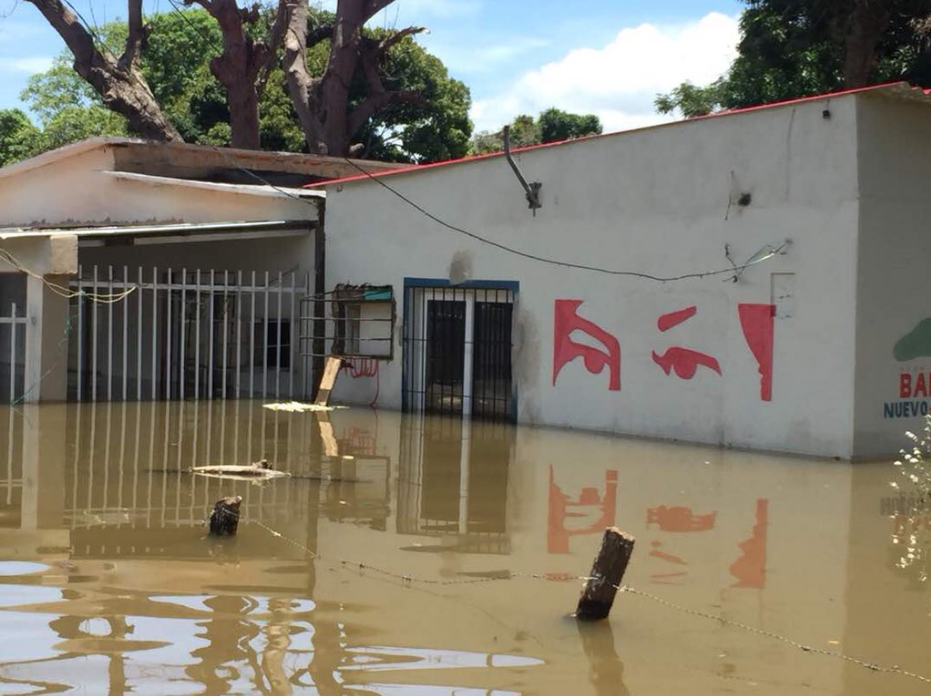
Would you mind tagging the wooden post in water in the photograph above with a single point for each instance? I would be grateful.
(224, 519)
(607, 573)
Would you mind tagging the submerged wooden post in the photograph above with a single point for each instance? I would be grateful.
(224, 519)
(607, 573)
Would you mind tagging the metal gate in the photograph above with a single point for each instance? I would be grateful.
(12, 354)
(457, 357)
(173, 334)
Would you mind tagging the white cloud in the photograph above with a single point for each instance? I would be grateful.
(26, 65)
(619, 81)
(476, 58)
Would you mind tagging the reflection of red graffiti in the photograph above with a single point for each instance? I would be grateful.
(362, 367)
(357, 441)
(565, 321)
(750, 568)
(684, 361)
(756, 320)
(669, 557)
(679, 519)
(557, 536)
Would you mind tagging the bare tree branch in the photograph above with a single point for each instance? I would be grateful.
(118, 82)
(275, 41)
(136, 37)
(373, 7)
(397, 37)
(301, 84)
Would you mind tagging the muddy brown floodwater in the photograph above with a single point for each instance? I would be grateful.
(426, 557)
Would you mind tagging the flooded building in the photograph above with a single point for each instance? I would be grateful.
(753, 279)
(158, 271)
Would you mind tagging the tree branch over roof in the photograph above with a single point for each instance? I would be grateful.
(117, 80)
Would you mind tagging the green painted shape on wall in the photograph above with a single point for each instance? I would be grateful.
(915, 344)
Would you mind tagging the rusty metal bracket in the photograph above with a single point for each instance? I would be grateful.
(532, 189)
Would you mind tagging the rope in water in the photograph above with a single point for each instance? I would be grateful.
(409, 579)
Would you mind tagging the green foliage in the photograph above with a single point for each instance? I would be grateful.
(435, 128)
(19, 139)
(176, 65)
(558, 125)
(795, 48)
(552, 125)
(74, 123)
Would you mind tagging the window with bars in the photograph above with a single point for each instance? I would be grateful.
(458, 343)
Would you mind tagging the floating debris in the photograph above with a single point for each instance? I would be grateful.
(300, 407)
(259, 470)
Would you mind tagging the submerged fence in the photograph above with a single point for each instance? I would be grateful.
(13, 352)
(165, 334)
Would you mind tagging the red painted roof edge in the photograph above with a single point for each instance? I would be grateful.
(729, 112)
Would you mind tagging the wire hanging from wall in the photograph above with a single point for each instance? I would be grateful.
(61, 290)
(765, 252)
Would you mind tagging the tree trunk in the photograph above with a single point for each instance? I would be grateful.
(867, 23)
(237, 69)
(301, 85)
(323, 105)
(118, 81)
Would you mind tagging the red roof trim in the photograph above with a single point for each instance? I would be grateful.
(899, 84)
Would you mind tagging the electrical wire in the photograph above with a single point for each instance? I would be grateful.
(61, 290)
(765, 253)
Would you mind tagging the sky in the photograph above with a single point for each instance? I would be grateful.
(607, 57)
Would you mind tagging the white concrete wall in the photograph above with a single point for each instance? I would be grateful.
(76, 190)
(659, 201)
(892, 294)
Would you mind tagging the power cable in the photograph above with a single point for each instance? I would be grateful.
(765, 253)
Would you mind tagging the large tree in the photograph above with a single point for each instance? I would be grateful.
(178, 65)
(116, 79)
(337, 74)
(794, 48)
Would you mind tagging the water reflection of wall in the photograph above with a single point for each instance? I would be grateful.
(776, 543)
(892, 621)
(101, 493)
(453, 483)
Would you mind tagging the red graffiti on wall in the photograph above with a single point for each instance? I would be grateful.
(750, 568)
(562, 507)
(567, 320)
(684, 361)
(756, 321)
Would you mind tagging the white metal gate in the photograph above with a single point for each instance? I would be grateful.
(12, 354)
(169, 334)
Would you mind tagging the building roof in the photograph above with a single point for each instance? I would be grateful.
(171, 232)
(891, 90)
(204, 162)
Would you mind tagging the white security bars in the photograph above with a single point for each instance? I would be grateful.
(187, 333)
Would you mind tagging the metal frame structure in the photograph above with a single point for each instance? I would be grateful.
(442, 319)
(187, 334)
(336, 322)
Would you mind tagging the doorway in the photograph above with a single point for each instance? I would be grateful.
(457, 358)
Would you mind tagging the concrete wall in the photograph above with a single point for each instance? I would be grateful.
(76, 190)
(662, 201)
(893, 303)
